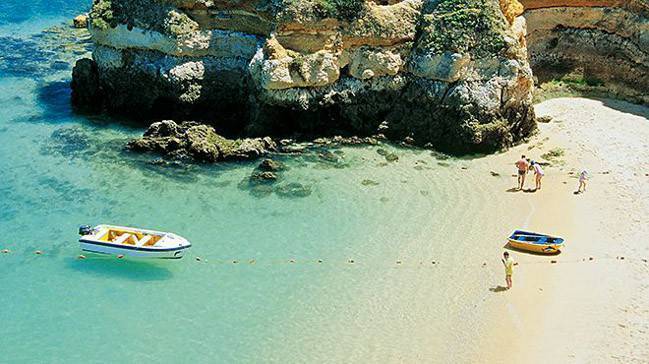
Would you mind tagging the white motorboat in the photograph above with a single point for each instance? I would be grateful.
(132, 242)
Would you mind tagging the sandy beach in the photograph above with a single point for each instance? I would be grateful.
(578, 309)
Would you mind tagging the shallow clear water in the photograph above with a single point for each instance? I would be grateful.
(59, 169)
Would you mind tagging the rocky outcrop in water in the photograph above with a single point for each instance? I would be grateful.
(596, 43)
(192, 141)
(453, 73)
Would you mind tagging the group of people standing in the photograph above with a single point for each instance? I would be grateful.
(525, 165)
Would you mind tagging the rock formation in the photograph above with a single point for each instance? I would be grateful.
(192, 141)
(453, 73)
(594, 42)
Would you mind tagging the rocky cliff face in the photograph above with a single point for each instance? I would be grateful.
(602, 43)
(453, 73)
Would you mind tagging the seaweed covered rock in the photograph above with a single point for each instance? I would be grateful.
(270, 165)
(198, 142)
(451, 73)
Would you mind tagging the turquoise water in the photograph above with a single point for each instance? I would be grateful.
(344, 274)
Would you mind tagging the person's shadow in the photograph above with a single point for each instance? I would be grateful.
(498, 289)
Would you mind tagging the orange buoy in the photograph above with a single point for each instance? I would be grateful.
(120, 256)
(6, 251)
(38, 252)
(81, 256)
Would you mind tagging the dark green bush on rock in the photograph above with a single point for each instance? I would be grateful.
(101, 14)
(313, 10)
(463, 26)
(340, 9)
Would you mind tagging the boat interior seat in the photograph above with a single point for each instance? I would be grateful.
(144, 240)
(122, 238)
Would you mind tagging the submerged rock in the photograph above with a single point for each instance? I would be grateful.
(391, 157)
(68, 141)
(263, 177)
(198, 142)
(270, 165)
(293, 190)
(369, 182)
(329, 156)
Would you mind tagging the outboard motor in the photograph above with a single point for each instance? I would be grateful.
(85, 230)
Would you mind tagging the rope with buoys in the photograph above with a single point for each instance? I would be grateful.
(350, 261)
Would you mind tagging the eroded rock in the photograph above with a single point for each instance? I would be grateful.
(198, 142)
(450, 73)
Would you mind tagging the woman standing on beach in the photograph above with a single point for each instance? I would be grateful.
(538, 173)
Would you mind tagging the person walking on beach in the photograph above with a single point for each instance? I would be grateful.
(509, 268)
(538, 173)
(583, 178)
(522, 165)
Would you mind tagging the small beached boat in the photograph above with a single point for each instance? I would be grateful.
(133, 242)
(535, 242)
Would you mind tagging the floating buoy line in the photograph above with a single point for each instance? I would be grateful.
(349, 261)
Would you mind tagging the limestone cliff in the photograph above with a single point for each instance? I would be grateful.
(600, 43)
(453, 73)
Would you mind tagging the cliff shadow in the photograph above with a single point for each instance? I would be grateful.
(626, 107)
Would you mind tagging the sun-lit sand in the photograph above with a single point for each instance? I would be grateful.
(578, 309)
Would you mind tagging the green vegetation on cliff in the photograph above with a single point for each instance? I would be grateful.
(313, 10)
(101, 14)
(144, 14)
(463, 26)
(340, 9)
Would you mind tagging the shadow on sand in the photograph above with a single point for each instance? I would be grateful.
(117, 268)
(626, 107)
(498, 289)
(515, 189)
(509, 247)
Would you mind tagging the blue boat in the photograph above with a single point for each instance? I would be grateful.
(535, 242)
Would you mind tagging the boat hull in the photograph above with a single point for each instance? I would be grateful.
(536, 248)
(135, 252)
(535, 242)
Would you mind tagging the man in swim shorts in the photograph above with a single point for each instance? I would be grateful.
(523, 166)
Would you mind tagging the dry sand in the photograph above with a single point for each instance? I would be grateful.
(579, 310)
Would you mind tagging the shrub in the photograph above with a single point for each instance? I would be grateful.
(340, 9)
(101, 14)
